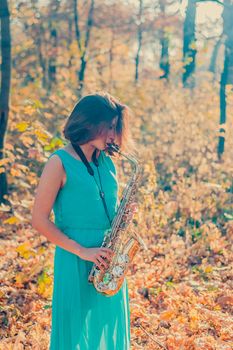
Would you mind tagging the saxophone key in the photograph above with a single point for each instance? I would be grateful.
(112, 285)
(107, 277)
(123, 258)
(118, 271)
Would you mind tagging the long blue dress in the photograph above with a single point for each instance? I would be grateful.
(82, 318)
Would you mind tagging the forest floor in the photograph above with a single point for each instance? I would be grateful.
(180, 289)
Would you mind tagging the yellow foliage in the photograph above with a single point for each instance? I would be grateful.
(208, 269)
(45, 285)
(22, 126)
(25, 250)
(19, 278)
(13, 220)
(193, 315)
(217, 307)
(54, 143)
(167, 315)
(42, 136)
(184, 204)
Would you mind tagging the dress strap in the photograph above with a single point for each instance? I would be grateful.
(55, 152)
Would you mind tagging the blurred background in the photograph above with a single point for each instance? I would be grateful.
(171, 61)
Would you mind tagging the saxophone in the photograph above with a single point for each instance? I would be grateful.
(119, 238)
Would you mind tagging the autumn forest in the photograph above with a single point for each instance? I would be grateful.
(171, 62)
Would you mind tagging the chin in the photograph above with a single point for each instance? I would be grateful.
(101, 147)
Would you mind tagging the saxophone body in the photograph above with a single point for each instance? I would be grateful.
(119, 238)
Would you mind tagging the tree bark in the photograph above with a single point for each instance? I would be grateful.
(189, 45)
(52, 60)
(213, 60)
(164, 42)
(5, 89)
(227, 73)
(69, 41)
(111, 82)
(83, 48)
(42, 59)
(139, 43)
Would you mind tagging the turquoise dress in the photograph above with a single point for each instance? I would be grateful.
(82, 318)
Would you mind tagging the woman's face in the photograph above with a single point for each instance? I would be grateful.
(107, 137)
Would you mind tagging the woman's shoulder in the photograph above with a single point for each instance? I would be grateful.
(61, 153)
(54, 164)
(57, 151)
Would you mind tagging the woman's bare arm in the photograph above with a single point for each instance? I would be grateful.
(49, 185)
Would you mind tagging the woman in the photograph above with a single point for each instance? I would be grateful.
(82, 318)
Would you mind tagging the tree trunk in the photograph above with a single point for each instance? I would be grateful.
(222, 92)
(83, 48)
(69, 41)
(39, 36)
(42, 59)
(189, 45)
(5, 89)
(213, 60)
(139, 37)
(164, 42)
(227, 73)
(164, 57)
(52, 60)
(111, 83)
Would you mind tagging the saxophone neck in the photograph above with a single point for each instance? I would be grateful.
(113, 147)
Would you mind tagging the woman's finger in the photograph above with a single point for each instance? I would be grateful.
(101, 260)
(98, 264)
(107, 251)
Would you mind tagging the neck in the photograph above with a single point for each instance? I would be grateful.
(87, 149)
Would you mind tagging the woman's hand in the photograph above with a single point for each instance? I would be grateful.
(98, 256)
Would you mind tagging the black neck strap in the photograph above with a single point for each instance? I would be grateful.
(78, 149)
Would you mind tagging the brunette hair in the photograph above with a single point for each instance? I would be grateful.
(93, 114)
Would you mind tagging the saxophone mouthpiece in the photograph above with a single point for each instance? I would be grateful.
(112, 147)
